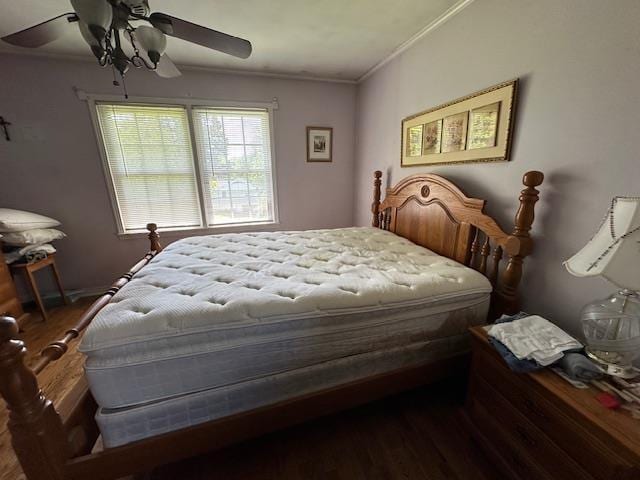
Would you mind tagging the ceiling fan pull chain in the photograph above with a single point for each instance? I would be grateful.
(115, 79)
(124, 88)
(122, 82)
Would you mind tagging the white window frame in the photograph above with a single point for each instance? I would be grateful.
(189, 104)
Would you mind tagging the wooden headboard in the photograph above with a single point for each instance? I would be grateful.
(431, 211)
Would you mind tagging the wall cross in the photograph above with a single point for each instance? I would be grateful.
(4, 124)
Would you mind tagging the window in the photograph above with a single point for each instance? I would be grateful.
(234, 152)
(160, 171)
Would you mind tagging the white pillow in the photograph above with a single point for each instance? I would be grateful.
(32, 237)
(18, 220)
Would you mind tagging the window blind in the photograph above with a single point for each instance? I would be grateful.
(234, 152)
(149, 155)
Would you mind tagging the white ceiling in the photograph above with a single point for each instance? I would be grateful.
(337, 39)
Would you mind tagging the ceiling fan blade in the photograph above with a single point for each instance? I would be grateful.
(42, 33)
(166, 68)
(238, 47)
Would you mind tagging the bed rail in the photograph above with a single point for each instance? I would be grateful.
(55, 350)
(42, 438)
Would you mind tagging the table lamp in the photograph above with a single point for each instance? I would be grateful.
(612, 326)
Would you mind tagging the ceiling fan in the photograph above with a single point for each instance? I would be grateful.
(105, 23)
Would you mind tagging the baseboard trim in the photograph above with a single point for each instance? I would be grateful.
(53, 298)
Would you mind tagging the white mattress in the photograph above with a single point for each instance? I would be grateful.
(129, 376)
(122, 426)
(216, 310)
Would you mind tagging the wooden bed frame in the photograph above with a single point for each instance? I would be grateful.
(62, 442)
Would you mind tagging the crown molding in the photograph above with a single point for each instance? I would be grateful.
(187, 68)
(285, 76)
(403, 47)
(455, 9)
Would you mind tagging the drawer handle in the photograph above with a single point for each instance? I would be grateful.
(522, 433)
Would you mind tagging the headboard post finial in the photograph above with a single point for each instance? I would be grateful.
(525, 214)
(154, 237)
(375, 206)
(37, 434)
(519, 243)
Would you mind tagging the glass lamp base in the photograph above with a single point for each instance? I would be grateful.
(611, 330)
(615, 369)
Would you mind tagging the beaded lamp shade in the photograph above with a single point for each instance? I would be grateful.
(614, 251)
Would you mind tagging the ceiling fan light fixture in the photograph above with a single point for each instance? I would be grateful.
(103, 23)
(92, 41)
(152, 40)
(120, 60)
(95, 13)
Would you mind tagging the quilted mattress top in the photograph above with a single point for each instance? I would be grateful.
(217, 282)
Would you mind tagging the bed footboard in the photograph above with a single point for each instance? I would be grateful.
(37, 433)
(46, 438)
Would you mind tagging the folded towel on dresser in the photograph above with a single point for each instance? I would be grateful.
(45, 248)
(534, 338)
(35, 253)
(29, 254)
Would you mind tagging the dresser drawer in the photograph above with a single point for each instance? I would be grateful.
(521, 392)
(524, 435)
(519, 464)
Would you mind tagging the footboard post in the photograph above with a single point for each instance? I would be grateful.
(375, 206)
(154, 238)
(37, 434)
(519, 243)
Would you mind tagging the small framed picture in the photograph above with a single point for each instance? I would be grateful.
(483, 126)
(414, 145)
(454, 132)
(319, 144)
(432, 137)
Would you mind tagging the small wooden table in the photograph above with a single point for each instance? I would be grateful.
(538, 426)
(30, 268)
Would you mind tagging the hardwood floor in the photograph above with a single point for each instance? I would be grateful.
(417, 435)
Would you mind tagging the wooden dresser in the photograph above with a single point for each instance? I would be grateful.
(9, 303)
(538, 426)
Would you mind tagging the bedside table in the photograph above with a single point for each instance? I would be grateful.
(538, 426)
(9, 302)
(29, 269)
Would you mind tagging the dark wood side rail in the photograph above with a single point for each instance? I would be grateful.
(143, 455)
(41, 438)
(56, 349)
(434, 213)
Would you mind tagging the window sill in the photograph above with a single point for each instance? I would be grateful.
(195, 231)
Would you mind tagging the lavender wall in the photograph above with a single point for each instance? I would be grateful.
(577, 121)
(52, 165)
